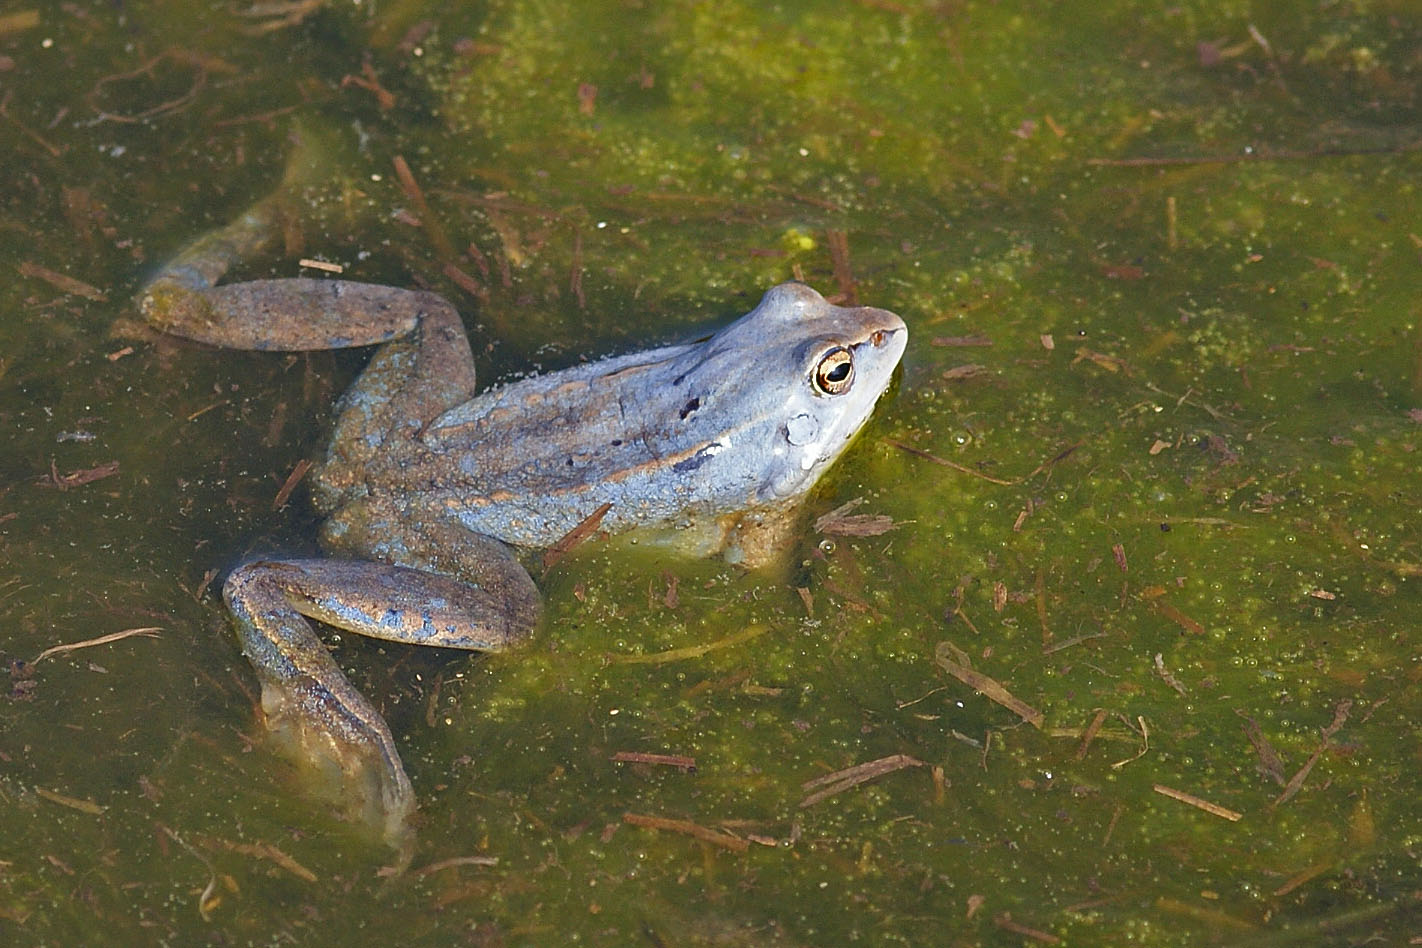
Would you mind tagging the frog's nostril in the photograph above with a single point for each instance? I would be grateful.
(878, 338)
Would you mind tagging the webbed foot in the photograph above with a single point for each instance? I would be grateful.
(315, 716)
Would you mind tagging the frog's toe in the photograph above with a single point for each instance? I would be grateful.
(347, 761)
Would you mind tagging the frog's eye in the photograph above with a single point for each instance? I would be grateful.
(834, 372)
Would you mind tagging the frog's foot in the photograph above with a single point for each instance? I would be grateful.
(345, 753)
(315, 714)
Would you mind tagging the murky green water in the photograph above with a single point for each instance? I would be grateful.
(1187, 507)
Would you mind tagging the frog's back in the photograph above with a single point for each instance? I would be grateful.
(528, 461)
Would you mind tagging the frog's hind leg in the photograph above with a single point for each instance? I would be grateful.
(426, 368)
(286, 315)
(316, 716)
(184, 297)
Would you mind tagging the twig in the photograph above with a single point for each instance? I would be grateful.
(74, 803)
(289, 485)
(840, 780)
(1340, 716)
(150, 631)
(451, 863)
(838, 243)
(963, 469)
(325, 266)
(1005, 922)
(272, 854)
(1054, 460)
(62, 282)
(568, 541)
(1269, 760)
(1213, 809)
(77, 478)
(703, 833)
(465, 281)
(1308, 875)
(686, 763)
(203, 411)
(987, 687)
(1074, 640)
(1089, 734)
(690, 651)
(443, 248)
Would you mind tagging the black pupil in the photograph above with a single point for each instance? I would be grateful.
(838, 374)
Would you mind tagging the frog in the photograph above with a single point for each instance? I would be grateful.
(432, 490)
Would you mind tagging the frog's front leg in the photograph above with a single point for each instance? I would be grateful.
(311, 709)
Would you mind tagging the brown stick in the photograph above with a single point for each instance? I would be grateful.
(1213, 809)
(412, 190)
(568, 541)
(838, 244)
(989, 688)
(696, 830)
(946, 463)
(670, 760)
(62, 282)
(841, 780)
(289, 485)
(1089, 734)
(1005, 922)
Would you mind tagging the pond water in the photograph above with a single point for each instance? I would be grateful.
(1127, 651)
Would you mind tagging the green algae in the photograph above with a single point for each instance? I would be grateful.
(1189, 233)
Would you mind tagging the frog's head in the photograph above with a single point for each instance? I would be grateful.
(805, 375)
